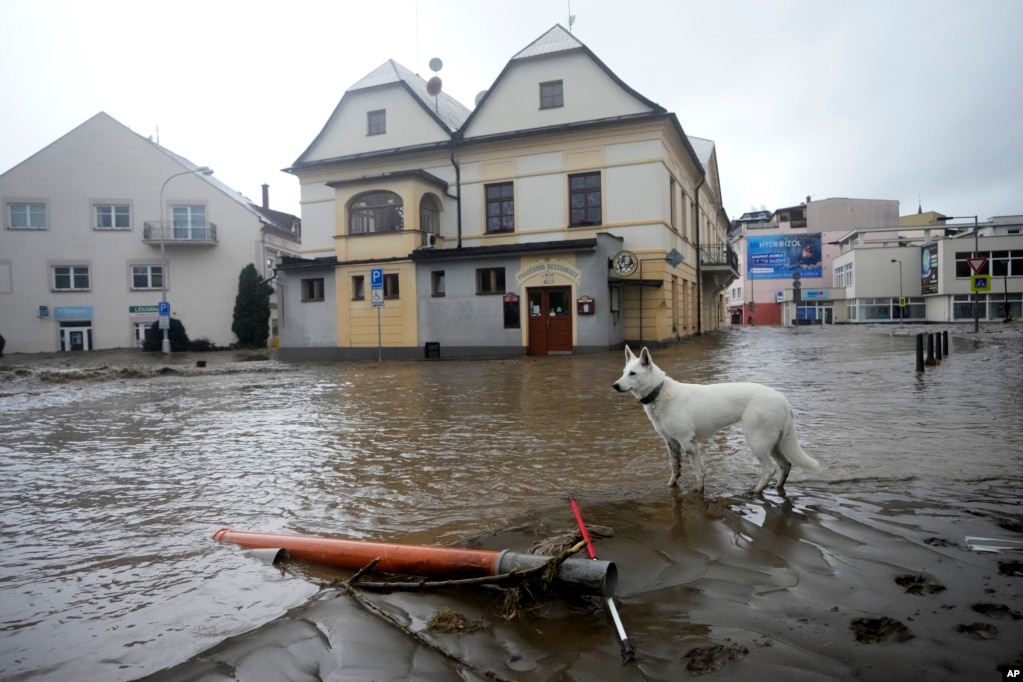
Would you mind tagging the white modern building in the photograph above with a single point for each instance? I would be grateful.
(565, 213)
(795, 248)
(103, 225)
(926, 272)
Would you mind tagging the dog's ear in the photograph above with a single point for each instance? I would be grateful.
(628, 353)
(644, 357)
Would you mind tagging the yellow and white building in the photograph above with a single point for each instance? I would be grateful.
(565, 213)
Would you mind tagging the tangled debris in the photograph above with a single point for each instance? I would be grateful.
(449, 621)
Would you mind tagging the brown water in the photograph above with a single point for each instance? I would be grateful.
(116, 475)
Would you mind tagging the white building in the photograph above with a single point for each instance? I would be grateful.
(103, 224)
(923, 273)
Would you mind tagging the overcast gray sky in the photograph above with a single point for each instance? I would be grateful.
(874, 99)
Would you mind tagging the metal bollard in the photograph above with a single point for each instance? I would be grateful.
(937, 347)
(920, 352)
(944, 335)
(930, 350)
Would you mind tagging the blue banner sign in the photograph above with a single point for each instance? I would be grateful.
(780, 256)
(72, 312)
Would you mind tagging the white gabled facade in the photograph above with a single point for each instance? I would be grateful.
(83, 270)
(560, 167)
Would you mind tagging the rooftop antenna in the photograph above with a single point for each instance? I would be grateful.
(571, 17)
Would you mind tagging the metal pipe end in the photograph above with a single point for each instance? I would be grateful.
(590, 576)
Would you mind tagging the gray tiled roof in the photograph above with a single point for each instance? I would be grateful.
(449, 110)
(233, 194)
(555, 40)
(703, 148)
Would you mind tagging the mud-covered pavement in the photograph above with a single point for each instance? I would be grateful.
(879, 567)
(877, 584)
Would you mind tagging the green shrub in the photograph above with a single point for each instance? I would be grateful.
(178, 337)
(202, 346)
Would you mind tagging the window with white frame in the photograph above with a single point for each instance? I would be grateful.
(189, 222)
(113, 217)
(140, 331)
(844, 275)
(146, 277)
(70, 277)
(26, 216)
(963, 269)
(1007, 263)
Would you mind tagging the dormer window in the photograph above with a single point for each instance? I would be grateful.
(552, 95)
(376, 122)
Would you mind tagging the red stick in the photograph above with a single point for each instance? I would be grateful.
(628, 653)
(582, 528)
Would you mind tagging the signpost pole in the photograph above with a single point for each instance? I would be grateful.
(376, 281)
(976, 296)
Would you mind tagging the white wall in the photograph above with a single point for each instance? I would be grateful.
(347, 133)
(514, 104)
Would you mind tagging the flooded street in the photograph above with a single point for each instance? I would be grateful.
(118, 468)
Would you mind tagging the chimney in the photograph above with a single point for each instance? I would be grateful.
(266, 195)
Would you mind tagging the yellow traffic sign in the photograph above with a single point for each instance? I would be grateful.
(980, 283)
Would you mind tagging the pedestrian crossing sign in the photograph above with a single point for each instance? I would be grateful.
(980, 283)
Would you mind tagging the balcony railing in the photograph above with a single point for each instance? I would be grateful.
(170, 232)
(719, 254)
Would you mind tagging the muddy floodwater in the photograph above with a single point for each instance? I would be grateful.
(900, 559)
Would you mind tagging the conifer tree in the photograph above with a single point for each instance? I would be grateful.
(252, 309)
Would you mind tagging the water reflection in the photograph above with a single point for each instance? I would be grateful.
(114, 487)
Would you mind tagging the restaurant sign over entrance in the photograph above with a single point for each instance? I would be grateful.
(546, 269)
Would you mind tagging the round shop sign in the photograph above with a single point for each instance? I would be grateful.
(624, 263)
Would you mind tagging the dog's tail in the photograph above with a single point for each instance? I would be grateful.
(793, 451)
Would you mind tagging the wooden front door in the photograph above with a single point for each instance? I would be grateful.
(550, 320)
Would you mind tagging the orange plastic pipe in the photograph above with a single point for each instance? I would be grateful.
(449, 563)
(430, 562)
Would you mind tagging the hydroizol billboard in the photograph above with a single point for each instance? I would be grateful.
(781, 255)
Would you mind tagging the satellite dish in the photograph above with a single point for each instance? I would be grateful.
(479, 96)
(433, 86)
(436, 65)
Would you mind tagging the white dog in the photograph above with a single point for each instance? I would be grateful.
(682, 414)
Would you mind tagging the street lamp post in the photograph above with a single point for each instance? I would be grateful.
(976, 248)
(901, 309)
(203, 170)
